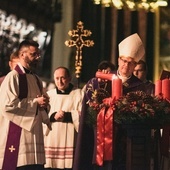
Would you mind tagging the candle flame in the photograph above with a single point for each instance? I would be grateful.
(114, 76)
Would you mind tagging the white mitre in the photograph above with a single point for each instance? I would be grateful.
(132, 46)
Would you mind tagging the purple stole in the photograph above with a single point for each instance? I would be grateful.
(14, 132)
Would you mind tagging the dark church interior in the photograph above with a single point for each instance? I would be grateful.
(108, 25)
(101, 25)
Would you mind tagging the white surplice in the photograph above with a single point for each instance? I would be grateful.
(60, 142)
(25, 114)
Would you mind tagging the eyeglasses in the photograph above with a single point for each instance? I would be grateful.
(139, 70)
(128, 62)
(35, 54)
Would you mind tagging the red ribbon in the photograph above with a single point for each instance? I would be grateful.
(105, 137)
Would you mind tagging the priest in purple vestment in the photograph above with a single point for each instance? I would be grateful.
(23, 108)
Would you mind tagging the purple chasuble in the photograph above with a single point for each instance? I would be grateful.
(14, 132)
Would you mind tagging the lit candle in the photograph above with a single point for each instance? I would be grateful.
(116, 83)
(158, 87)
(105, 76)
(166, 88)
(116, 87)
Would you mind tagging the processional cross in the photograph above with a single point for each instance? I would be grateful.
(79, 43)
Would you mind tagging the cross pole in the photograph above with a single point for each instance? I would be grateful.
(79, 43)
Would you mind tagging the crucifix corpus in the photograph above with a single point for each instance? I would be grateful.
(79, 43)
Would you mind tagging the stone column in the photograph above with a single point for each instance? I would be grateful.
(60, 52)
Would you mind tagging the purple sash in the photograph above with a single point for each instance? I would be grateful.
(14, 133)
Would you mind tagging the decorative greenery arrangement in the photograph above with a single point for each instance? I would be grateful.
(95, 104)
(138, 107)
(135, 107)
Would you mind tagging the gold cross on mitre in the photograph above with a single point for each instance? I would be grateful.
(79, 43)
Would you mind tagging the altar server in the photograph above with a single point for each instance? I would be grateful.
(65, 107)
(12, 63)
(140, 71)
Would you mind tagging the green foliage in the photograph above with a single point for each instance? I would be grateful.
(138, 107)
(135, 107)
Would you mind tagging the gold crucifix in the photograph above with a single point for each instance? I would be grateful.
(79, 43)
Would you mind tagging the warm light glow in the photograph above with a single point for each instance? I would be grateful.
(148, 5)
(162, 3)
(117, 3)
(145, 5)
(130, 4)
(153, 6)
(106, 3)
(97, 2)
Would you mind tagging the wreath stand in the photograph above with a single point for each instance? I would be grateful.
(142, 140)
(142, 147)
